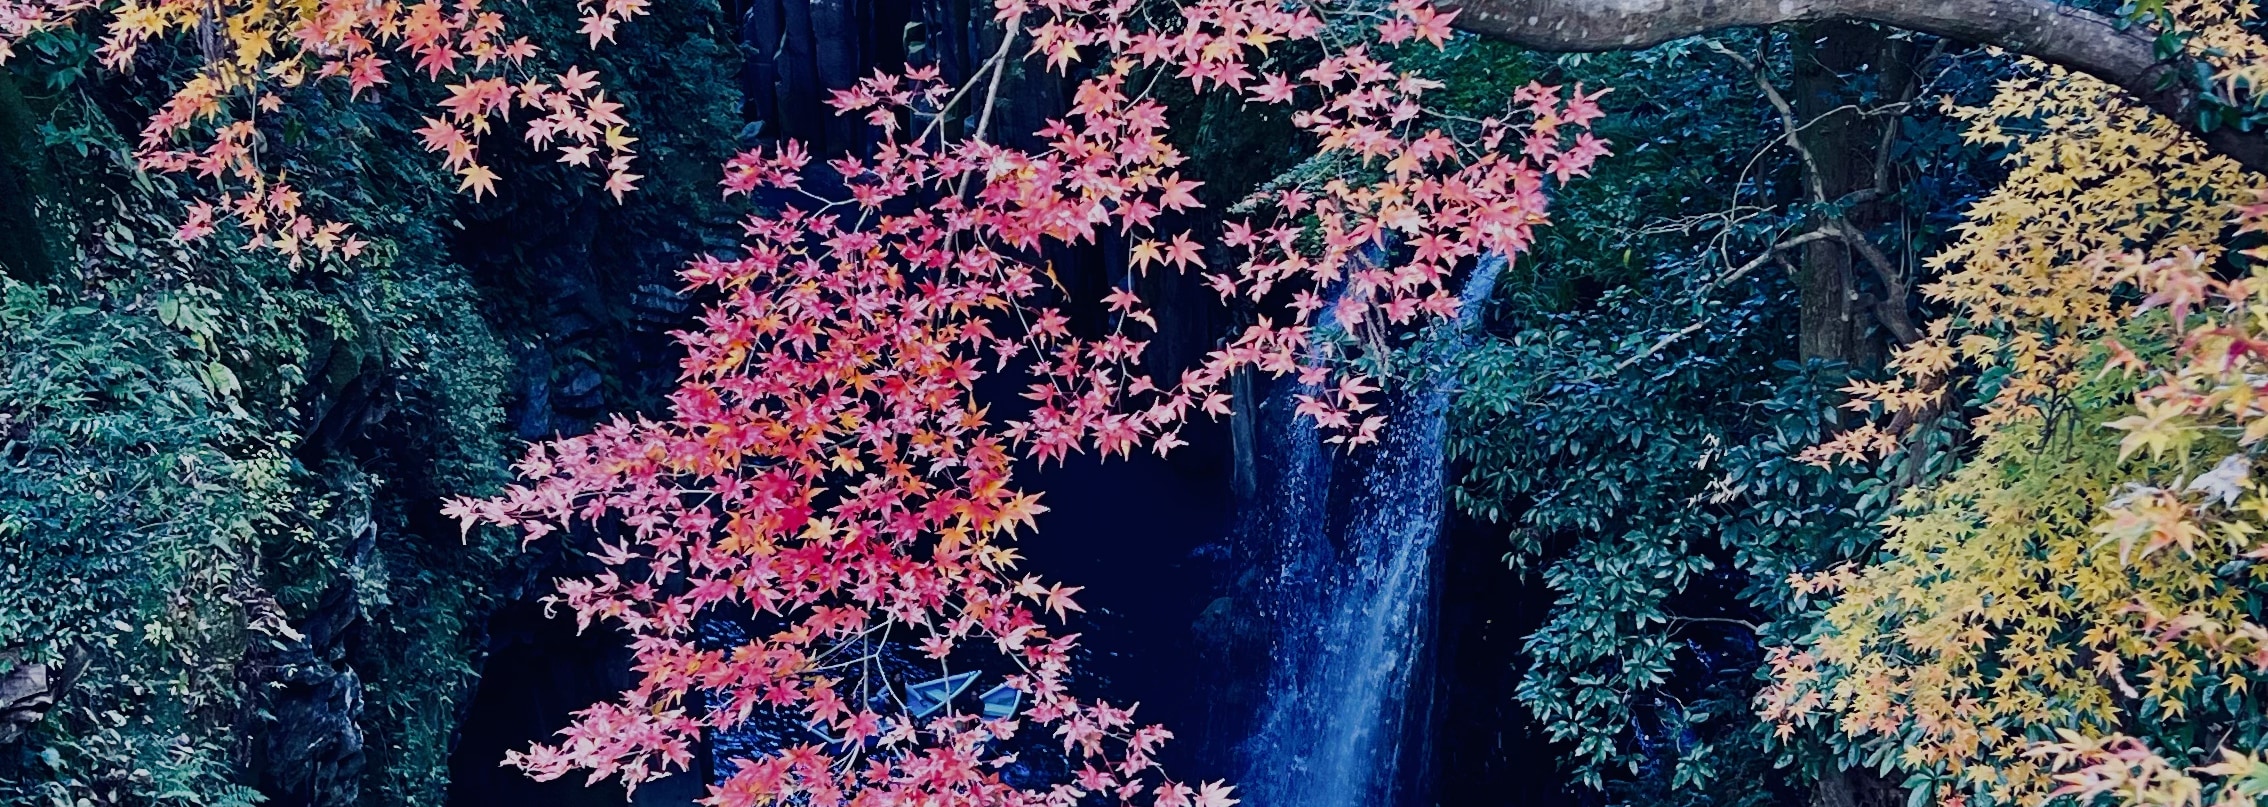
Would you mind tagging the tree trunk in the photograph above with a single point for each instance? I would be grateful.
(1842, 148)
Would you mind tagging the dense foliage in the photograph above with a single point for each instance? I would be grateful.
(1998, 601)
(2070, 598)
(1880, 423)
(1636, 422)
(224, 464)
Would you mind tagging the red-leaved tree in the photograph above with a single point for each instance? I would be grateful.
(825, 463)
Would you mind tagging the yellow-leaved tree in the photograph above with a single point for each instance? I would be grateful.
(2076, 611)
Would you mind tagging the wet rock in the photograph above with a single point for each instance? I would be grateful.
(311, 744)
(26, 694)
(313, 754)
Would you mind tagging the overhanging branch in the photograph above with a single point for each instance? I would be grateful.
(2076, 39)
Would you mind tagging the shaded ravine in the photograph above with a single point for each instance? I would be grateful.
(1351, 539)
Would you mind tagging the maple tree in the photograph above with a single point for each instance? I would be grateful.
(2088, 600)
(2073, 612)
(825, 463)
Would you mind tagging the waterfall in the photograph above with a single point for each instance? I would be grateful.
(1352, 537)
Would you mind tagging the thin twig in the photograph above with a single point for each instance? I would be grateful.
(1695, 327)
(1761, 259)
(998, 57)
(991, 96)
(1788, 122)
(992, 88)
(1720, 620)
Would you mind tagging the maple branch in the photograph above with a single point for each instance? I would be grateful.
(1007, 41)
(999, 65)
(2077, 39)
(999, 68)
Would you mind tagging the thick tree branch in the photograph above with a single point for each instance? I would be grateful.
(1891, 311)
(2080, 40)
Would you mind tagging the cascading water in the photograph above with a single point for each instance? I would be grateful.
(1353, 538)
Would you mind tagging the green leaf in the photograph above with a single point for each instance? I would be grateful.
(221, 379)
(1920, 790)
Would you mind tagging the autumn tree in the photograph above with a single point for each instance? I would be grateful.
(826, 464)
(2071, 613)
(1613, 669)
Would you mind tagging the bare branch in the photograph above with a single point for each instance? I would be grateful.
(1753, 627)
(1891, 310)
(1790, 127)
